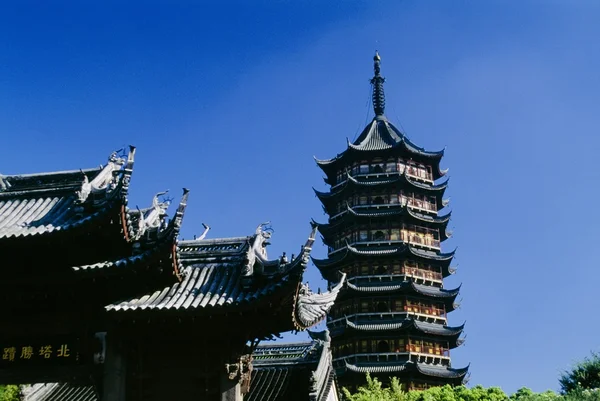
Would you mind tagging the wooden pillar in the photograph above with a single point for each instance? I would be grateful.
(114, 369)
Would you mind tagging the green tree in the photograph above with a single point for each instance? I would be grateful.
(10, 393)
(584, 375)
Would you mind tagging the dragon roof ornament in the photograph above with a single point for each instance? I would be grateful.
(311, 308)
(152, 218)
(4, 184)
(108, 179)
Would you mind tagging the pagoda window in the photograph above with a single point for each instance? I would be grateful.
(397, 305)
(355, 169)
(363, 168)
(363, 235)
(383, 269)
(363, 200)
(391, 166)
(396, 267)
(379, 200)
(378, 169)
(382, 307)
(395, 234)
(383, 346)
(363, 346)
(394, 199)
(379, 235)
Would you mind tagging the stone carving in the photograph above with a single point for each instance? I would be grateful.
(4, 184)
(258, 249)
(152, 218)
(105, 182)
(311, 308)
(241, 371)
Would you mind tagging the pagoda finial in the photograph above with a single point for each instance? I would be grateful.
(377, 82)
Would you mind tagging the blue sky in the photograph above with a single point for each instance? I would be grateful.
(234, 100)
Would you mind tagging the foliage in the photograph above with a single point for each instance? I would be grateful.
(374, 391)
(10, 393)
(585, 375)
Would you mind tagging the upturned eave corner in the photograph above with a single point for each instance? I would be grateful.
(311, 308)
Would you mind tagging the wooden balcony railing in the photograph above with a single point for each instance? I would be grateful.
(420, 273)
(425, 240)
(419, 204)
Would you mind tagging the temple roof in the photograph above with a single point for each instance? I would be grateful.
(154, 239)
(281, 372)
(35, 204)
(60, 392)
(235, 272)
(297, 371)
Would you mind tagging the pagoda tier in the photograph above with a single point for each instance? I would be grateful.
(360, 261)
(376, 223)
(393, 189)
(385, 232)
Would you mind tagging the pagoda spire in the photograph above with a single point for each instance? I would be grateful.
(377, 82)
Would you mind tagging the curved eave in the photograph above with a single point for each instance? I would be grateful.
(426, 370)
(349, 253)
(164, 245)
(380, 134)
(350, 215)
(143, 259)
(434, 292)
(442, 372)
(422, 327)
(310, 308)
(47, 205)
(352, 184)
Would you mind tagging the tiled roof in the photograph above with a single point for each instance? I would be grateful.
(61, 392)
(290, 372)
(405, 286)
(349, 216)
(378, 135)
(349, 252)
(49, 202)
(435, 370)
(353, 183)
(425, 327)
(230, 272)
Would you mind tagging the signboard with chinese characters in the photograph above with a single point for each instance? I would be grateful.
(36, 352)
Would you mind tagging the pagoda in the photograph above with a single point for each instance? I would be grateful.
(387, 223)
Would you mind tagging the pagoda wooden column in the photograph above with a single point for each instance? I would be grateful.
(114, 369)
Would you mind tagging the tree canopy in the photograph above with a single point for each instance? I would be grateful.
(374, 391)
(585, 375)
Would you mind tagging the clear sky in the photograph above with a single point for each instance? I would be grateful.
(234, 100)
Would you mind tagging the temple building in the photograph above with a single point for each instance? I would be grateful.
(387, 223)
(105, 302)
